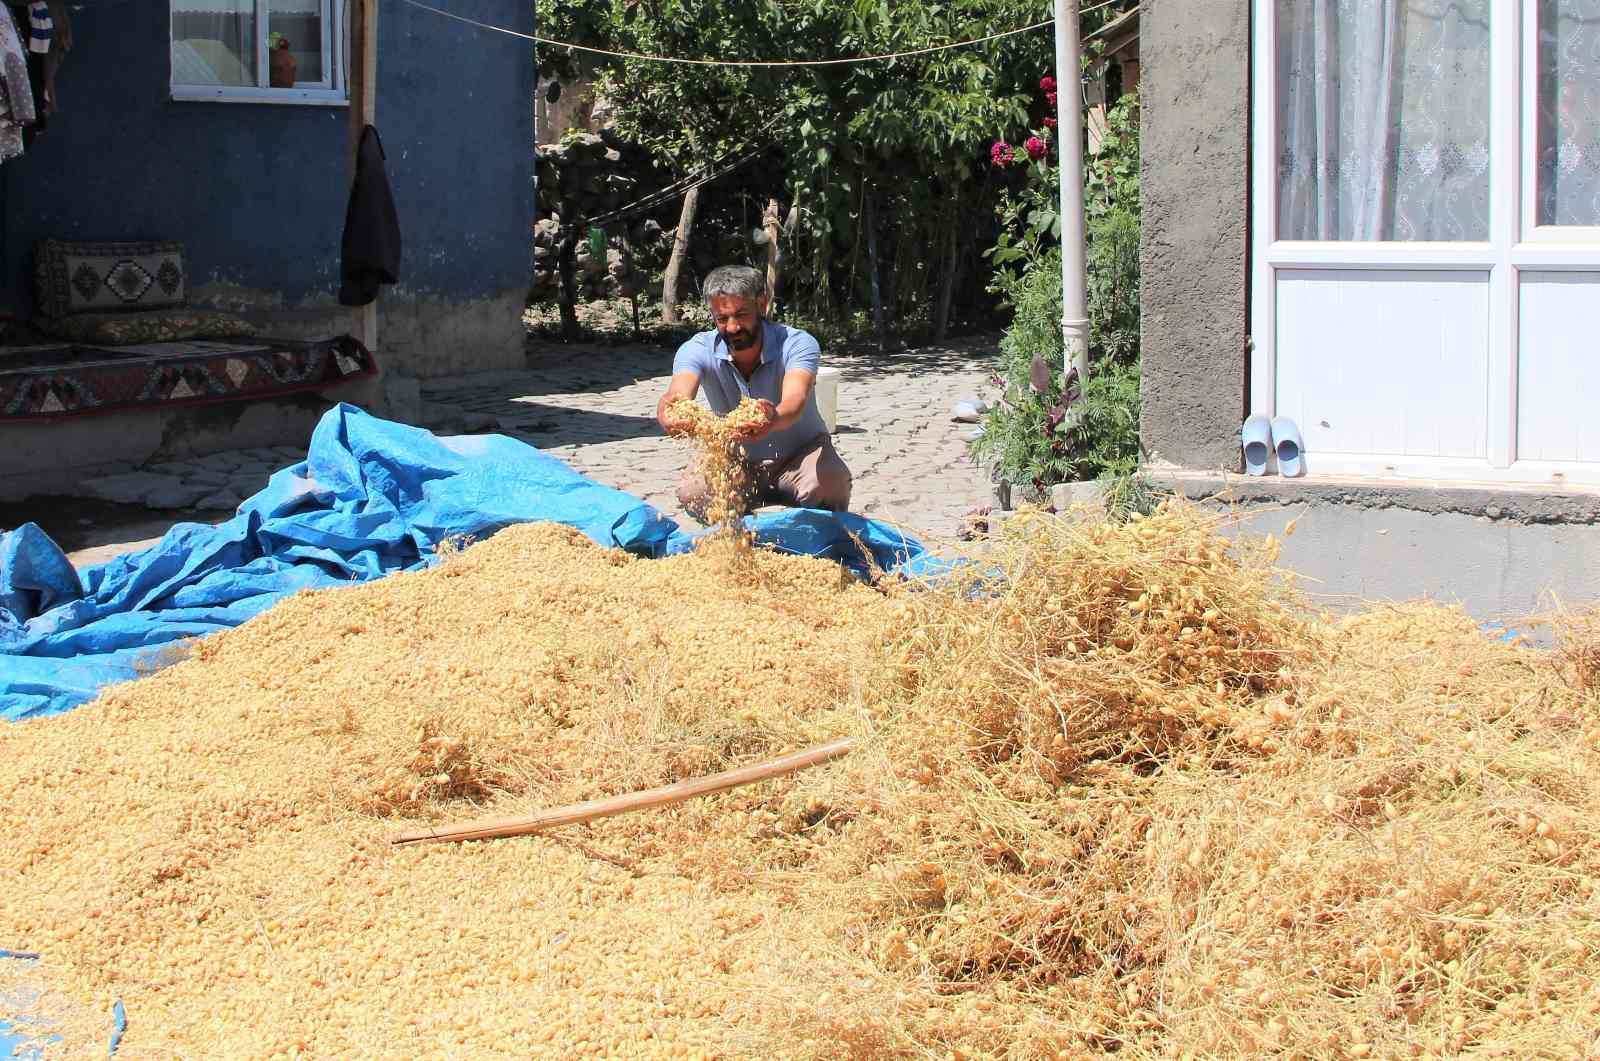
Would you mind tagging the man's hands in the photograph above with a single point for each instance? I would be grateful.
(763, 427)
(683, 387)
(774, 417)
(676, 426)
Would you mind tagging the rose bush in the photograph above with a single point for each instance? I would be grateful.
(1047, 428)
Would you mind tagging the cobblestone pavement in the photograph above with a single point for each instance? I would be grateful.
(596, 410)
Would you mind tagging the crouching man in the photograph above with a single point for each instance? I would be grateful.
(789, 458)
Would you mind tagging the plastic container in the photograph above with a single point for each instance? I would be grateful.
(827, 389)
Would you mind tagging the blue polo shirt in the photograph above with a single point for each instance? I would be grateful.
(782, 349)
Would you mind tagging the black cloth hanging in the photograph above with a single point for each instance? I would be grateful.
(371, 246)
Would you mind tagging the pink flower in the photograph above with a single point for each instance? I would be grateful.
(1049, 123)
(1035, 148)
(1000, 154)
(1050, 98)
(1047, 84)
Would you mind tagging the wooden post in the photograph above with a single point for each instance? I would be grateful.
(774, 227)
(633, 280)
(947, 283)
(362, 80)
(870, 216)
(680, 254)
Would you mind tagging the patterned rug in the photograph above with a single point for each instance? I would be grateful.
(51, 382)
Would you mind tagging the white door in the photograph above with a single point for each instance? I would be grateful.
(1426, 235)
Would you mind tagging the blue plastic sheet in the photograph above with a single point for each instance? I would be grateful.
(26, 1038)
(371, 497)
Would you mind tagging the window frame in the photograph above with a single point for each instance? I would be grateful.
(332, 91)
(1516, 246)
(1532, 231)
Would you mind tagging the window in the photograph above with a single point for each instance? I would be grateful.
(1383, 120)
(1568, 119)
(1426, 235)
(258, 51)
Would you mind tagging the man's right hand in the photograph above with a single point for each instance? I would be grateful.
(682, 388)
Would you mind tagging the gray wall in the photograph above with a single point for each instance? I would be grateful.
(258, 191)
(1194, 176)
(1498, 552)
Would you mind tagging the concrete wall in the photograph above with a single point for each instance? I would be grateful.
(258, 191)
(50, 459)
(1500, 553)
(1195, 115)
(455, 108)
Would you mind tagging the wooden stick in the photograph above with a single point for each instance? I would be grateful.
(573, 813)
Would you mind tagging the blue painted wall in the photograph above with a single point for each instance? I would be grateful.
(258, 191)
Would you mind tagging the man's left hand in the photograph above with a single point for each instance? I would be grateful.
(760, 430)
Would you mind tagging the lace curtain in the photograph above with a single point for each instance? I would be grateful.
(1569, 112)
(214, 42)
(1383, 119)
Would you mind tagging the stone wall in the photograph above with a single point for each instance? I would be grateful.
(589, 176)
(1194, 177)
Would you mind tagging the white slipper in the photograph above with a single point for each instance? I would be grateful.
(1286, 439)
(968, 411)
(1256, 438)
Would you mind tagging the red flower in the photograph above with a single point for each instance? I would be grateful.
(1000, 154)
(1035, 147)
(1049, 123)
(1050, 98)
(1047, 84)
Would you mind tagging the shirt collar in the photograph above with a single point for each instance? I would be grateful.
(719, 345)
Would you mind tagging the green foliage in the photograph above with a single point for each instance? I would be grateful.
(1036, 436)
(1111, 205)
(908, 134)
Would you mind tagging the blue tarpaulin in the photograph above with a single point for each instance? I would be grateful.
(371, 497)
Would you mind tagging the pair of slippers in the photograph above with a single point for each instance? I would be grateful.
(1261, 437)
(969, 410)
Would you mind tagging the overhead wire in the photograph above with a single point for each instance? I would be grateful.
(683, 184)
(883, 57)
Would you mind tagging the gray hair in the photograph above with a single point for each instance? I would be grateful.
(736, 281)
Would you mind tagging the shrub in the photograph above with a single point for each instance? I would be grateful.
(1047, 429)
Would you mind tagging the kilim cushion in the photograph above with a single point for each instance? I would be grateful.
(108, 277)
(161, 326)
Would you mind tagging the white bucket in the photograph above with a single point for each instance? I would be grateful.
(827, 389)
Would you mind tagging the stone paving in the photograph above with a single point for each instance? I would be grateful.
(216, 482)
(596, 411)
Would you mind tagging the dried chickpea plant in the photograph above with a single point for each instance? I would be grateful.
(716, 459)
(1120, 789)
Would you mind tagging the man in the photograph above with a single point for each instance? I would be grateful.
(789, 457)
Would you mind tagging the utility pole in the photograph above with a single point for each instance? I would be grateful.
(1069, 147)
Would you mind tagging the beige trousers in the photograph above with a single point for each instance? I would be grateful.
(814, 477)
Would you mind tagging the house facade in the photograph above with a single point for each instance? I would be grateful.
(230, 126)
(1381, 221)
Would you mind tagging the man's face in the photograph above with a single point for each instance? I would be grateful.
(738, 319)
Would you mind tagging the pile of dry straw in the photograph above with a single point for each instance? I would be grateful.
(1123, 792)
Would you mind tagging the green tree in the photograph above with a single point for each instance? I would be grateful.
(901, 142)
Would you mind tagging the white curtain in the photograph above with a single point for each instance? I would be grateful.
(1383, 119)
(214, 42)
(1569, 112)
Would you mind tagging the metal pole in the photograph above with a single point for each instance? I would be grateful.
(362, 84)
(1069, 126)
